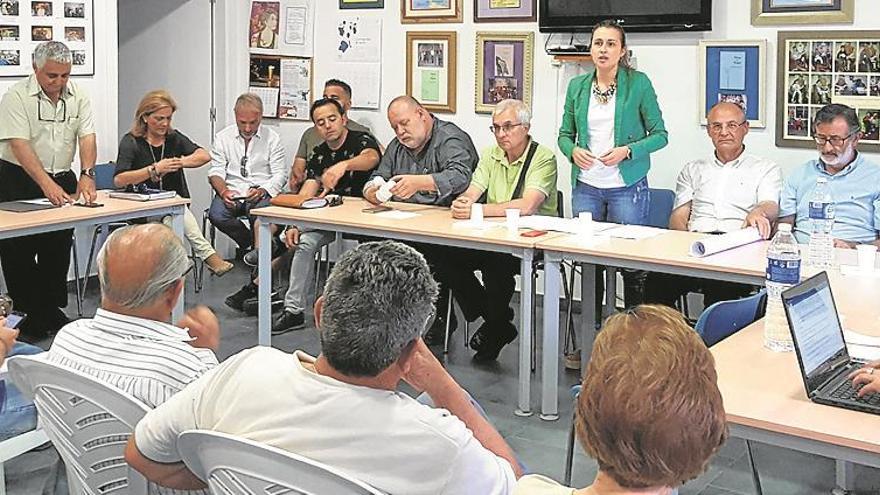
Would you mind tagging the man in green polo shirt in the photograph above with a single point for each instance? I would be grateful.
(42, 119)
(499, 175)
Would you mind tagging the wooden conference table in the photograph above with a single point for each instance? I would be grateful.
(14, 224)
(427, 224)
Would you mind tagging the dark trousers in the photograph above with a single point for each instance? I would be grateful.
(35, 267)
(227, 219)
(664, 288)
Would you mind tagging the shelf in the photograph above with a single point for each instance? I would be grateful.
(574, 57)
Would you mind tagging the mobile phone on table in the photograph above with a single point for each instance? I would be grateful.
(89, 205)
(14, 319)
(376, 209)
(533, 233)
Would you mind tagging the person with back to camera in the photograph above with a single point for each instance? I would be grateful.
(611, 124)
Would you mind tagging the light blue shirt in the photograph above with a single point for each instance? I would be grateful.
(856, 194)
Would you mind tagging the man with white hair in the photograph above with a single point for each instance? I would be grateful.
(515, 173)
(42, 119)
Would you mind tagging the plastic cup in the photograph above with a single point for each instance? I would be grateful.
(512, 216)
(867, 253)
(585, 218)
(477, 213)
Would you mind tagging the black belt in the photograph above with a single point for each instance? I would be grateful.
(60, 174)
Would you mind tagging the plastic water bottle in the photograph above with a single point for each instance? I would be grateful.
(820, 254)
(783, 271)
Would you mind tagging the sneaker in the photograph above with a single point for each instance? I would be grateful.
(491, 338)
(288, 321)
(251, 306)
(236, 301)
(437, 333)
(251, 258)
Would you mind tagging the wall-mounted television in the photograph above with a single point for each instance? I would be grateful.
(634, 15)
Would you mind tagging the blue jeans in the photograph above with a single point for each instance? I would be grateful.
(227, 219)
(18, 414)
(626, 205)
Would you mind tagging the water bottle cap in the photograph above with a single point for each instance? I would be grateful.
(784, 227)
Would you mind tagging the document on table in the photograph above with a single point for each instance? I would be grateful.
(483, 225)
(861, 346)
(712, 244)
(397, 214)
(556, 224)
(636, 232)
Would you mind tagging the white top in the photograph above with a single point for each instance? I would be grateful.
(600, 120)
(146, 359)
(723, 194)
(383, 438)
(535, 484)
(265, 160)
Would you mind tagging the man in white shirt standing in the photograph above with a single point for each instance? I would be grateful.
(726, 192)
(247, 169)
(343, 408)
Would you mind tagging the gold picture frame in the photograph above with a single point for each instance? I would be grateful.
(811, 12)
(436, 11)
(504, 69)
(430, 69)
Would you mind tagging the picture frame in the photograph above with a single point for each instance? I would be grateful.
(504, 69)
(815, 68)
(505, 10)
(425, 11)
(430, 69)
(25, 24)
(735, 71)
(361, 4)
(770, 12)
(284, 84)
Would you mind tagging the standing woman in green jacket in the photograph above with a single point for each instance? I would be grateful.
(610, 126)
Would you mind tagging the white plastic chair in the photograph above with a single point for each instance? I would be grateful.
(17, 445)
(88, 421)
(236, 466)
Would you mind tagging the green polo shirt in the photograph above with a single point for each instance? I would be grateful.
(52, 129)
(499, 177)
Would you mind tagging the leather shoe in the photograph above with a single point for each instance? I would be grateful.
(491, 338)
(288, 321)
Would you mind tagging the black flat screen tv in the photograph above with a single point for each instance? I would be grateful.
(556, 16)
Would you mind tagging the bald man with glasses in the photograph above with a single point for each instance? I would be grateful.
(42, 120)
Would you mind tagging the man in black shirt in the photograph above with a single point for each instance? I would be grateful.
(342, 165)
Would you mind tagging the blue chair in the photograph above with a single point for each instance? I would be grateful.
(725, 318)
(661, 207)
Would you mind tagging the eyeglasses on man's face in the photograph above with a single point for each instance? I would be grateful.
(718, 127)
(835, 141)
(496, 129)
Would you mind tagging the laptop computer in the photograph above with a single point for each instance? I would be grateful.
(820, 347)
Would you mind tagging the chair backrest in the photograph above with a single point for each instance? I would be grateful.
(88, 421)
(104, 175)
(725, 318)
(661, 207)
(560, 205)
(232, 466)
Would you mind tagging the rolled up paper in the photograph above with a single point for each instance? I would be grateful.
(716, 243)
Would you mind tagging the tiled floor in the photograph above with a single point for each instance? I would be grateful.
(540, 444)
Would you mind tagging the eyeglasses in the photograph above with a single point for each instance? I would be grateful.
(54, 114)
(835, 141)
(505, 127)
(243, 164)
(716, 127)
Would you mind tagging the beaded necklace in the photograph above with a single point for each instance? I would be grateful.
(603, 96)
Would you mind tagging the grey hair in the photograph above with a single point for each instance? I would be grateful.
(523, 114)
(171, 264)
(828, 113)
(55, 51)
(249, 100)
(377, 301)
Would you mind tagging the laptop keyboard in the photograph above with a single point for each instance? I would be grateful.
(846, 391)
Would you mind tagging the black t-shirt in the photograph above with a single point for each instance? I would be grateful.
(352, 183)
(136, 153)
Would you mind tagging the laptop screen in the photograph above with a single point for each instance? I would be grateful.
(813, 320)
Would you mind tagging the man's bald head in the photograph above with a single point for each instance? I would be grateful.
(411, 122)
(139, 263)
(728, 108)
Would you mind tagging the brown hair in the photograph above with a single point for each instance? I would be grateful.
(650, 412)
(608, 23)
(151, 102)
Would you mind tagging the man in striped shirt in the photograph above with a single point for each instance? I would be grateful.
(130, 343)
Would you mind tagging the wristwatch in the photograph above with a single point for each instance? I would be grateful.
(88, 172)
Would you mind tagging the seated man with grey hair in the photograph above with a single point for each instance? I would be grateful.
(343, 408)
(515, 173)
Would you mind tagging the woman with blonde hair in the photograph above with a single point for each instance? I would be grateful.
(154, 155)
(649, 411)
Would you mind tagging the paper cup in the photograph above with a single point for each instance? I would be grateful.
(867, 253)
(477, 213)
(512, 216)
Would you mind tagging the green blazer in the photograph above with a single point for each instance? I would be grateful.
(638, 122)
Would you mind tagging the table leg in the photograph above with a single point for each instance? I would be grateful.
(525, 335)
(588, 312)
(177, 227)
(844, 475)
(550, 346)
(264, 273)
(610, 292)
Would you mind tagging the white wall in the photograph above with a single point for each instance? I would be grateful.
(669, 59)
